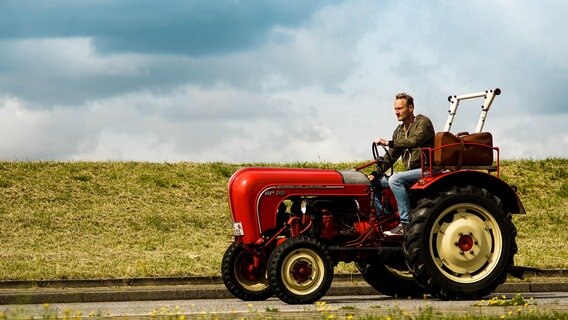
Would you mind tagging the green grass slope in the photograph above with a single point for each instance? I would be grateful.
(77, 220)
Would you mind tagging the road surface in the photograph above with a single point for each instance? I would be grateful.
(360, 305)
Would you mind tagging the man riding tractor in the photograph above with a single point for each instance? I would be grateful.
(413, 133)
(292, 225)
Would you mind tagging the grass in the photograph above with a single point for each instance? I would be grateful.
(79, 220)
(543, 188)
(517, 300)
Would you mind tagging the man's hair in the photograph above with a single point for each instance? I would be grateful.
(407, 97)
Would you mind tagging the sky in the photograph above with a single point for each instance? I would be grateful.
(272, 81)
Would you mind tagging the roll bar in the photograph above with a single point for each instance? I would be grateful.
(488, 96)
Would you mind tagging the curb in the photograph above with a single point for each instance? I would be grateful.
(145, 289)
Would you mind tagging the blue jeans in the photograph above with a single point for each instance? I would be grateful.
(399, 183)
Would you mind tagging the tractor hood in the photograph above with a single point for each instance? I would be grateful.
(254, 194)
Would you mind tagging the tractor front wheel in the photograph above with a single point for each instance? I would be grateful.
(460, 244)
(241, 277)
(300, 270)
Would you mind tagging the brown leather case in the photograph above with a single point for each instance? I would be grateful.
(464, 153)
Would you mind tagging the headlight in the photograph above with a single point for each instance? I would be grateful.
(304, 206)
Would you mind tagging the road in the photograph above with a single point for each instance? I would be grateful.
(338, 305)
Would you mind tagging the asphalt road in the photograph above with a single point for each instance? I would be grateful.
(359, 305)
(206, 297)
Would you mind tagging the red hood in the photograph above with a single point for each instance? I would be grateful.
(255, 193)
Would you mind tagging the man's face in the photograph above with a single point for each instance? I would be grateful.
(401, 110)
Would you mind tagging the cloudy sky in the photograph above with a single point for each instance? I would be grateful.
(272, 81)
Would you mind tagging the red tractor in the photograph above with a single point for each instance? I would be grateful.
(292, 225)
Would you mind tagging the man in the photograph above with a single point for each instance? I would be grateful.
(413, 133)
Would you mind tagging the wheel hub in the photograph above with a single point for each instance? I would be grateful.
(302, 271)
(250, 275)
(458, 246)
(249, 272)
(465, 243)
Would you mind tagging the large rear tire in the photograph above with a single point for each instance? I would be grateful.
(300, 270)
(460, 244)
(240, 276)
(396, 282)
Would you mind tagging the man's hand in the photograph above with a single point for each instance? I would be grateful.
(381, 141)
(373, 175)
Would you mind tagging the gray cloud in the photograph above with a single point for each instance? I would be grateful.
(179, 27)
(276, 81)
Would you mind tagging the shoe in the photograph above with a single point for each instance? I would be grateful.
(397, 231)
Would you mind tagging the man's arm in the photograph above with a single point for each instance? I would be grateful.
(394, 153)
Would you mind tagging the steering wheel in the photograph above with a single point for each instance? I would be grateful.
(383, 165)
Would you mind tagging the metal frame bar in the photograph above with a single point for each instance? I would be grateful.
(488, 95)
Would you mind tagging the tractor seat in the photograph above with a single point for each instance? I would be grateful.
(354, 177)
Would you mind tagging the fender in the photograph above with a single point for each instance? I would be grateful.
(480, 179)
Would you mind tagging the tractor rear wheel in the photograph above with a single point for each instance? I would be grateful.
(460, 244)
(300, 270)
(241, 277)
(392, 281)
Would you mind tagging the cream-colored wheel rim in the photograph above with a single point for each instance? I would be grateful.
(466, 243)
(303, 271)
(245, 275)
(402, 274)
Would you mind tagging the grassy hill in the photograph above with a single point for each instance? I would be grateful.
(75, 220)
